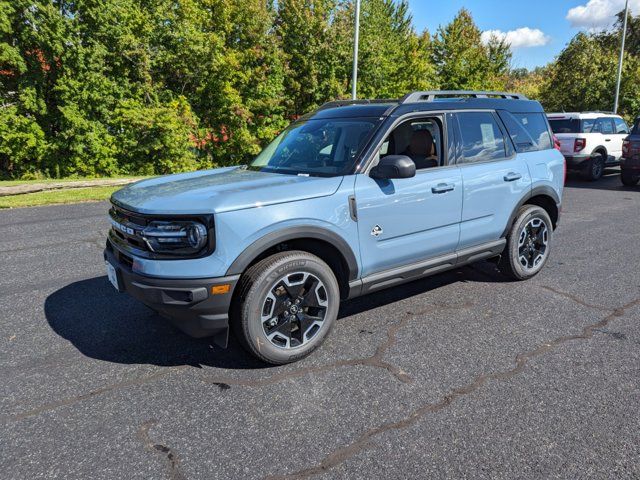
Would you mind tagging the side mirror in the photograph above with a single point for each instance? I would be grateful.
(394, 166)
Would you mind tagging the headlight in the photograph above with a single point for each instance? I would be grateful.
(175, 237)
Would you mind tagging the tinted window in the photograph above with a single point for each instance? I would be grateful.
(568, 125)
(604, 126)
(528, 131)
(621, 127)
(636, 128)
(316, 147)
(481, 137)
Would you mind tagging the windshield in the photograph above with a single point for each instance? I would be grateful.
(316, 147)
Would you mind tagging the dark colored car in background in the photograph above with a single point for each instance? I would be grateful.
(630, 161)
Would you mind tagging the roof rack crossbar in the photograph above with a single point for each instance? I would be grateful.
(431, 95)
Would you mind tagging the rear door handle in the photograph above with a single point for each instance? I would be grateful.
(607, 139)
(512, 177)
(442, 188)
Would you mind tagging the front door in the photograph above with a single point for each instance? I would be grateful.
(403, 221)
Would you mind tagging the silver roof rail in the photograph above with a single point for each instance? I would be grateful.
(430, 96)
(345, 103)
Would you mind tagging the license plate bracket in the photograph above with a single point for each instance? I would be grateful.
(112, 275)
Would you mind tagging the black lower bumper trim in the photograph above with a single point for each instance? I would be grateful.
(187, 303)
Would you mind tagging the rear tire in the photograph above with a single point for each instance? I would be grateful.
(528, 243)
(595, 167)
(286, 306)
(628, 179)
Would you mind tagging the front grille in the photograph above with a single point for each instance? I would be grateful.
(127, 227)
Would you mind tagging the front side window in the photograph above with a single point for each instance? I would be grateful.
(482, 138)
(327, 147)
(621, 126)
(419, 139)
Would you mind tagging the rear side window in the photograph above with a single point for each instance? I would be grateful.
(604, 126)
(529, 131)
(482, 138)
(621, 126)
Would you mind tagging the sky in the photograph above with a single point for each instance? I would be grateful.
(536, 29)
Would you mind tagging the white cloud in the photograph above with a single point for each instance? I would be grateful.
(599, 14)
(518, 38)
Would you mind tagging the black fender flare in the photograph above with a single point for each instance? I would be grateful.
(599, 147)
(536, 191)
(272, 239)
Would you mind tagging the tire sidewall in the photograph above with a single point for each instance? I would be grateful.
(252, 307)
(526, 215)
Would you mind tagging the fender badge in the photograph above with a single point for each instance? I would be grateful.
(376, 231)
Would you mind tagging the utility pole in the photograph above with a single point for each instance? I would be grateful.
(624, 35)
(356, 40)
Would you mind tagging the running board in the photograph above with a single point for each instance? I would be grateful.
(424, 268)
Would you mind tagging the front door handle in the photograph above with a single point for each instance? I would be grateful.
(607, 139)
(442, 188)
(512, 177)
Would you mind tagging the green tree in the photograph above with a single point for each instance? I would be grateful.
(462, 60)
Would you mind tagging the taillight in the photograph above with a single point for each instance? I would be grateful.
(556, 143)
(626, 147)
(579, 144)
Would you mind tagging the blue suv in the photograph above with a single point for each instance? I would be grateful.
(350, 199)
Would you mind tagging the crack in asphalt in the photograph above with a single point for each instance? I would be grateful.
(375, 360)
(342, 454)
(172, 458)
(575, 298)
(99, 391)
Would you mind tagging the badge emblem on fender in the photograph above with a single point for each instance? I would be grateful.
(376, 231)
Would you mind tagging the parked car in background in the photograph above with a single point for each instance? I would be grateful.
(353, 198)
(589, 141)
(630, 162)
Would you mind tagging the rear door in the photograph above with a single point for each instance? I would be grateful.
(605, 126)
(494, 178)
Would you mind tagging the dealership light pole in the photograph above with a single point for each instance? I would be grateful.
(624, 35)
(356, 40)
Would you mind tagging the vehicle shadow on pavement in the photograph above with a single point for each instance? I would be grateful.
(106, 325)
(610, 181)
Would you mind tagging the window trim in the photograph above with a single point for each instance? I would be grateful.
(509, 148)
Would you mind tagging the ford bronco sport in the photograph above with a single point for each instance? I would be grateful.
(590, 141)
(350, 199)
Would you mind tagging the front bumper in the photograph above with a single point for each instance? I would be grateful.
(186, 303)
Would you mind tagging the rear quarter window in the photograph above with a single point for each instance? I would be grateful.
(529, 131)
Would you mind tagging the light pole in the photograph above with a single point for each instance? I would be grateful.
(624, 35)
(356, 40)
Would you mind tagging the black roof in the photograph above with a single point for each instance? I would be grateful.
(428, 101)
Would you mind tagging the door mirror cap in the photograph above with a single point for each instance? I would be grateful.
(394, 166)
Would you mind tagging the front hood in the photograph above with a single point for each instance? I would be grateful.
(220, 190)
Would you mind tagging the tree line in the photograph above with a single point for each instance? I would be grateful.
(107, 87)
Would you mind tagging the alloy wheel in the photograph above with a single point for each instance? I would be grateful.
(532, 243)
(294, 310)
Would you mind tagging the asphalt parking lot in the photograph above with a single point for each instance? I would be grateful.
(461, 375)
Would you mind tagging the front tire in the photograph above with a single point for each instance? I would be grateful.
(286, 306)
(528, 243)
(628, 179)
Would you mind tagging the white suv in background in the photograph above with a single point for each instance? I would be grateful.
(589, 141)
